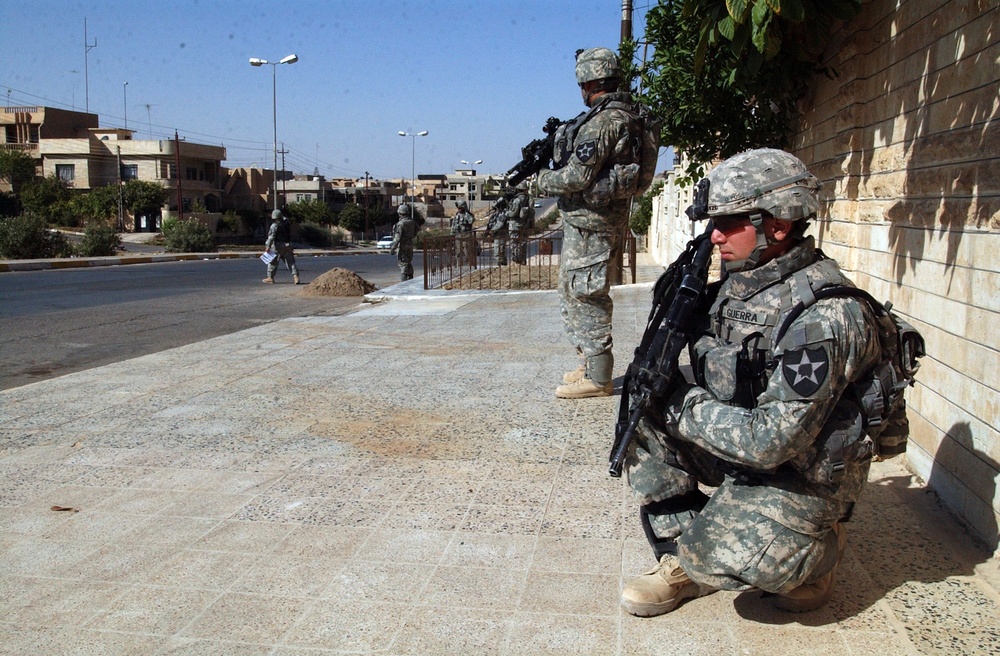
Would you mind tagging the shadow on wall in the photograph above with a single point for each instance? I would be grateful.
(951, 130)
(967, 479)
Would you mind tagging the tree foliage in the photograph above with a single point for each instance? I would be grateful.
(144, 198)
(310, 211)
(47, 198)
(16, 167)
(27, 237)
(725, 75)
(639, 222)
(352, 218)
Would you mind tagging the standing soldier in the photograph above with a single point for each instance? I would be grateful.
(461, 230)
(279, 238)
(519, 215)
(601, 158)
(496, 226)
(402, 242)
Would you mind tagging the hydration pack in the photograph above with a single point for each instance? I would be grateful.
(880, 393)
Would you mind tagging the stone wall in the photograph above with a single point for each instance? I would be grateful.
(906, 139)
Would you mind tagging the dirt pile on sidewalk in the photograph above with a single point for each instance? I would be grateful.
(338, 282)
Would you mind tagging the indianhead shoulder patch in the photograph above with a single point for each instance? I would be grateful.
(805, 369)
(586, 151)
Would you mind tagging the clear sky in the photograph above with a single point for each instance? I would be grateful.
(481, 76)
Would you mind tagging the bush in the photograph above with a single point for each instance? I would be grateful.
(319, 237)
(98, 240)
(27, 237)
(187, 236)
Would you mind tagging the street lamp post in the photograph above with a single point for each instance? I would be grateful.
(468, 192)
(254, 61)
(413, 162)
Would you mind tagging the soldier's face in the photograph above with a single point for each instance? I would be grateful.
(735, 237)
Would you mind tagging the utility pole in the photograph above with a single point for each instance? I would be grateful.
(366, 204)
(626, 20)
(121, 202)
(86, 76)
(284, 194)
(177, 170)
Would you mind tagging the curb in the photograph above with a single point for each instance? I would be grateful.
(115, 260)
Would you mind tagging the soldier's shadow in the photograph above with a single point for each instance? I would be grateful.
(900, 534)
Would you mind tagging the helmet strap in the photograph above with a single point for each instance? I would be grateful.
(757, 221)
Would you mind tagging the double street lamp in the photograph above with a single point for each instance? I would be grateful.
(290, 59)
(413, 162)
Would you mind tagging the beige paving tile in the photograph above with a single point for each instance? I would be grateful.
(24, 556)
(45, 602)
(572, 521)
(578, 555)
(210, 570)
(323, 541)
(452, 631)
(512, 520)
(490, 550)
(539, 633)
(405, 546)
(138, 502)
(60, 641)
(177, 646)
(144, 609)
(669, 636)
(572, 594)
(359, 627)
(247, 618)
(123, 563)
(288, 576)
(248, 537)
(388, 581)
(204, 503)
(475, 587)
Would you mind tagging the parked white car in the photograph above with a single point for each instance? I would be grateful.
(384, 242)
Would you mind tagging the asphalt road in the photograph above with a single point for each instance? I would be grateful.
(55, 322)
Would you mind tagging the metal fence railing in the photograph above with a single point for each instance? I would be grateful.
(473, 261)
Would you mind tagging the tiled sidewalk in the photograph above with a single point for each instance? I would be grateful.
(400, 480)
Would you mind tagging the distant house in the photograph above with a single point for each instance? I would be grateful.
(71, 146)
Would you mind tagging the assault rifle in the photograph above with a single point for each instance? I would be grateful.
(648, 378)
(536, 155)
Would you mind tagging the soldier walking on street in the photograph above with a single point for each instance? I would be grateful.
(279, 238)
(402, 242)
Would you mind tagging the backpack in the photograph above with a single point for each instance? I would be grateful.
(880, 392)
(284, 231)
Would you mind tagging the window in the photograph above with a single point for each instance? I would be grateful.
(192, 173)
(66, 172)
(130, 172)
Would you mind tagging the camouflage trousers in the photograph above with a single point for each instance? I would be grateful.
(584, 300)
(750, 534)
(285, 253)
(404, 257)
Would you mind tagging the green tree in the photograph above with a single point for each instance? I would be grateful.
(99, 204)
(47, 198)
(16, 167)
(643, 215)
(27, 237)
(144, 198)
(725, 75)
(352, 218)
(310, 211)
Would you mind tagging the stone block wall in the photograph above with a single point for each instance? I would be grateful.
(906, 139)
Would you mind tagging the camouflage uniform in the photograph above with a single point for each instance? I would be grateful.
(279, 237)
(517, 221)
(588, 152)
(461, 229)
(770, 425)
(402, 242)
(496, 225)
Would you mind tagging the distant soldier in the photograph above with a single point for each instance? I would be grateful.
(402, 242)
(520, 218)
(461, 229)
(496, 227)
(279, 238)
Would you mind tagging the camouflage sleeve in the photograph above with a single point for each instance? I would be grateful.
(594, 143)
(830, 345)
(271, 232)
(396, 230)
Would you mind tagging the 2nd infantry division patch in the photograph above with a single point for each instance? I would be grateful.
(586, 151)
(805, 370)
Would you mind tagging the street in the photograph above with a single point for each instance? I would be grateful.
(55, 322)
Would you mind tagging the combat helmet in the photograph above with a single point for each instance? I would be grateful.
(404, 209)
(755, 183)
(462, 205)
(275, 215)
(597, 64)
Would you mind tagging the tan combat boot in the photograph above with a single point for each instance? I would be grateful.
(295, 280)
(812, 596)
(584, 388)
(661, 589)
(575, 375)
(269, 280)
